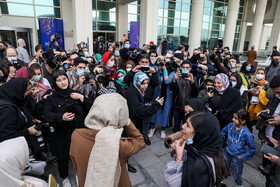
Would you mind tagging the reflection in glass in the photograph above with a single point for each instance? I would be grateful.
(106, 26)
(106, 16)
(42, 11)
(106, 6)
(17, 9)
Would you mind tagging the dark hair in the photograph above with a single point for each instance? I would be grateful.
(10, 65)
(274, 47)
(186, 62)
(275, 82)
(143, 56)
(78, 61)
(226, 47)
(35, 66)
(75, 53)
(40, 46)
(243, 67)
(152, 51)
(220, 168)
(110, 55)
(235, 75)
(30, 72)
(57, 73)
(8, 42)
(243, 114)
(180, 47)
(4, 43)
(127, 41)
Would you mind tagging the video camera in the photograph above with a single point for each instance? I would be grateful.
(264, 117)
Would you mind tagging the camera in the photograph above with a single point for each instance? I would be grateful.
(145, 68)
(56, 36)
(88, 76)
(44, 126)
(100, 78)
(264, 117)
(161, 63)
(210, 89)
(153, 47)
(44, 54)
(184, 75)
(66, 66)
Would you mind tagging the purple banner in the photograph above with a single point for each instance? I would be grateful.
(134, 34)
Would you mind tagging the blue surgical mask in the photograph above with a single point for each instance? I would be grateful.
(248, 68)
(126, 45)
(189, 141)
(32, 82)
(80, 72)
(168, 55)
(86, 54)
(185, 71)
(117, 53)
(37, 78)
(121, 79)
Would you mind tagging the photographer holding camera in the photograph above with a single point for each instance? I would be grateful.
(272, 114)
(184, 88)
(77, 77)
(12, 58)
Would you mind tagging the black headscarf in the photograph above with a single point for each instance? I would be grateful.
(196, 104)
(64, 93)
(243, 68)
(14, 90)
(207, 142)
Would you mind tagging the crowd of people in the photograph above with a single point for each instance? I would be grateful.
(99, 109)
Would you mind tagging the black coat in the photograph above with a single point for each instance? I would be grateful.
(154, 82)
(55, 107)
(226, 105)
(137, 108)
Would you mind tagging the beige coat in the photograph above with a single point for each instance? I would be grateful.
(81, 145)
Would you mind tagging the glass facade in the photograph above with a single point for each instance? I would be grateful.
(104, 15)
(31, 8)
(174, 21)
(214, 20)
(133, 12)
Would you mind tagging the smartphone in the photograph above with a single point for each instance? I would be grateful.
(145, 68)
(71, 108)
(266, 140)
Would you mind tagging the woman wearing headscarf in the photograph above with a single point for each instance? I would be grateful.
(236, 83)
(43, 83)
(129, 65)
(14, 115)
(100, 151)
(192, 105)
(120, 85)
(13, 158)
(65, 110)
(198, 161)
(108, 60)
(246, 69)
(225, 101)
(135, 100)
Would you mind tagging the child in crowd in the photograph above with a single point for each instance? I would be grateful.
(238, 136)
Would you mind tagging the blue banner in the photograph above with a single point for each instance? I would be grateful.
(134, 34)
(48, 27)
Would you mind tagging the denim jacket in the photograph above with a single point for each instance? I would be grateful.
(237, 140)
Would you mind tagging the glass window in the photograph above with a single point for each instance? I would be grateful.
(178, 6)
(94, 25)
(186, 1)
(171, 5)
(185, 15)
(106, 16)
(184, 31)
(160, 3)
(174, 40)
(185, 23)
(217, 12)
(107, 6)
(218, 5)
(17, 9)
(204, 33)
(221, 34)
(106, 26)
(42, 11)
(239, 16)
(207, 11)
(166, 4)
(160, 20)
(159, 30)
(93, 4)
(237, 29)
(205, 25)
(171, 13)
(215, 34)
(235, 43)
(165, 21)
(165, 13)
(177, 14)
(48, 2)
(215, 27)
(208, 3)
(217, 19)
(184, 39)
(93, 13)
(236, 35)
(206, 18)
(164, 30)
(19, 1)
(132, 17)
(186, 7)
(160, 12)
(177, 23)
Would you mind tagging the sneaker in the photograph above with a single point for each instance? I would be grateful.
(163, 135)
(66, 183)
(151, 133)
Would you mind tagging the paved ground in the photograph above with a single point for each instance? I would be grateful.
(150, 163)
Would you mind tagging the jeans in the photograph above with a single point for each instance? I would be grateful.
(153, 126)
(146, 127)
(235, 166)
(179, 116)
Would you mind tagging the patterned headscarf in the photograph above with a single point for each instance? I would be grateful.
(225, 81)
(138, 79)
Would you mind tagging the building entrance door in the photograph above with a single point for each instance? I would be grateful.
(12, 34)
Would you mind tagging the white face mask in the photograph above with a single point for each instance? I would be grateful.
(259, 76)
(12, 59)
(111, 64)
(152, 59)
(233, 83)
(128, 69)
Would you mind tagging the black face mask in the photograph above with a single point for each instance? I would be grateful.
(2, 78)
(2, 49)
(274, 62)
